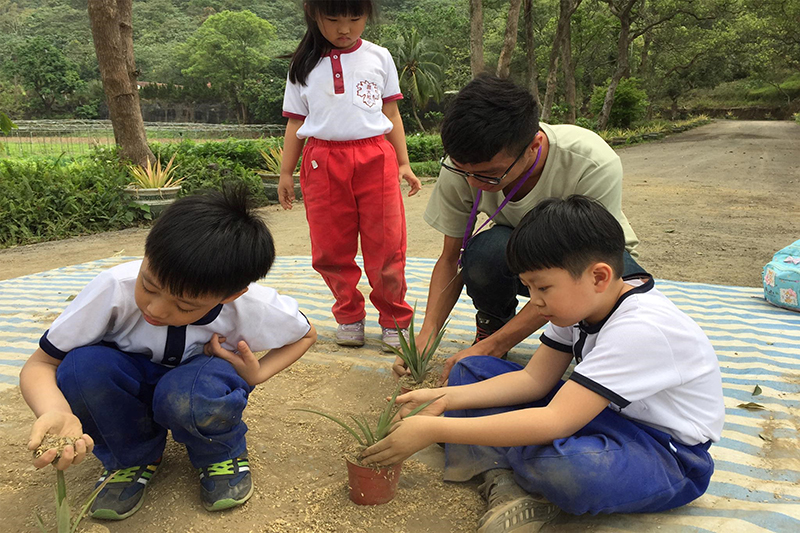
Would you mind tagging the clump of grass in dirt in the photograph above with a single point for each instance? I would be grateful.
(64, 521)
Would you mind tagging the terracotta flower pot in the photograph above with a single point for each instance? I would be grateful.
(371, 486)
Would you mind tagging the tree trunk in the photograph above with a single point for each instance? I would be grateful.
(509, 40)
(566, 9)
(569, 75)
(416, 116)
(476, 62)
(530, 53)
(619, 72)
(112, 32)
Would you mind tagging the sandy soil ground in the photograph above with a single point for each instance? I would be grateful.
(710, 205)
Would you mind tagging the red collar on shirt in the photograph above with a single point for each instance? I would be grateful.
(346, 50)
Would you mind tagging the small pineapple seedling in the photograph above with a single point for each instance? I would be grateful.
(416, 360)
(370, 434)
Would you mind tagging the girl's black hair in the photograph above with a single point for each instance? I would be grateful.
(570, 234)
(210, 244)
(313, 45)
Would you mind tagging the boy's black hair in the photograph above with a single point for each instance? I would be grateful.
(570, 234)
(313, 45)
(210, 244)
(487, 116)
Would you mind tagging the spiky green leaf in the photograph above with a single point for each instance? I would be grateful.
(334, 419)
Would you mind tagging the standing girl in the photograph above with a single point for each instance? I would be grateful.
(342, 96)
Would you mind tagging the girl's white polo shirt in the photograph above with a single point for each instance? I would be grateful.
(343, 97)
(652, 362)
(105, 312)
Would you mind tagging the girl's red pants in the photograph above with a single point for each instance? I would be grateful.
(352, 187)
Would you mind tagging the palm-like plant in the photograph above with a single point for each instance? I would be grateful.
(421, 70)
(273, 159)
(370, 434)
(416, 360)
(153, 176)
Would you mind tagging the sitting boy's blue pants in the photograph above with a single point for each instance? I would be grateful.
(127, 403)
(490, 283)
(612, 465)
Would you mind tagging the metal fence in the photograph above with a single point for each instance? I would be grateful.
(79, 137)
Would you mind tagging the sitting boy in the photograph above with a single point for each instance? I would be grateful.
(629, 430)
(166, 343)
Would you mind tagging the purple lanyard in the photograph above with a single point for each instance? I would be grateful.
(468, 233)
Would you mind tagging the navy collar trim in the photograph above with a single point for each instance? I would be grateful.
(641, 289)
(210, 317)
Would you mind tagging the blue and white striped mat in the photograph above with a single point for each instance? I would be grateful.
(756, 486)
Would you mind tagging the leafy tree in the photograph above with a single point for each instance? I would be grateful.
(44, 70)
(227, 51)
(420, 68)
(630, 102)
(5, 124)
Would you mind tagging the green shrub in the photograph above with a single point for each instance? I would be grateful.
(45, 200)
(797, 117)
(424, 148)
(630, 102)
(426, 168)
(587, 123)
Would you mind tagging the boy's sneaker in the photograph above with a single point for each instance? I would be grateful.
(124, 493)
(390, 337)
(226, 484)
(350, 334)
(511, 509)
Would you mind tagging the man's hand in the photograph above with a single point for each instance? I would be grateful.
(61, 424)
(243, 360)
(399, 369)
(413, 181)
(406, 437)
(286, 190)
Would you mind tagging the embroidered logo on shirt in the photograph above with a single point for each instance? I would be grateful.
(368, 91)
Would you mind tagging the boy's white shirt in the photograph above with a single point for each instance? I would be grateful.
(105, 311)
(369, 79)
(653, 363)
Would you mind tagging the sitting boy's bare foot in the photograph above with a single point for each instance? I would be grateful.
(511, 509)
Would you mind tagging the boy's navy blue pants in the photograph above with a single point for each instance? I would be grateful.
(612, 465)
(127, 403)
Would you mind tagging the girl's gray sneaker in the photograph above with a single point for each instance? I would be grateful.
(392, 338)
(350, 334)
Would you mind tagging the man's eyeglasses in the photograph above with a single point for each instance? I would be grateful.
(491, 180)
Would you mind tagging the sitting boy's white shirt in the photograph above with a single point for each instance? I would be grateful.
(652, 362)
(105, 311)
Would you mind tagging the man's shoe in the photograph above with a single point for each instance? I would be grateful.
(350, 334)
(485, 326)
(124, 493)
(390, 336)
(226, 484)
(511, 509)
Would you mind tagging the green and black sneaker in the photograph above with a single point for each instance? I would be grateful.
(124, 493)
(226, 484)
